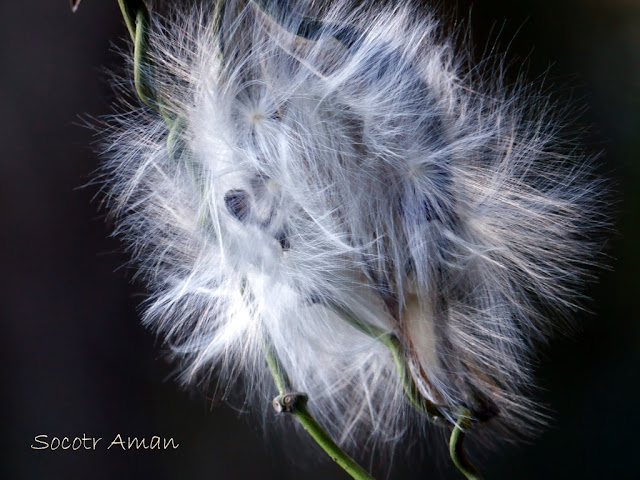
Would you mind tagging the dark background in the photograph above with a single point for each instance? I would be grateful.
(76, 360)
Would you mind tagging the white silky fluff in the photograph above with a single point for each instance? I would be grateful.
(369, 168)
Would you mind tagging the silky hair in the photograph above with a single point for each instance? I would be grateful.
(351, 159)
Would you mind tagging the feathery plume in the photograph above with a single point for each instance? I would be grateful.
(338, 181)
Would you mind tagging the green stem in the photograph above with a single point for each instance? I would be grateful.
(141, 63)
(456, 449)
(174, 138)
(130, 9)
(432, 411)
(278, 373)
(328, 445)
(136, 17)
(296, 404)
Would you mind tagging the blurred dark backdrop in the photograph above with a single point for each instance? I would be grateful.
(75, 359)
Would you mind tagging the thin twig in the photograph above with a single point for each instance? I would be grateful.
(295, 403)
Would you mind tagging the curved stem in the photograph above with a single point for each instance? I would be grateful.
(432, 411)
(328, 445)
(278, 372)
(136, 17)
(296, 404)
(130, 9)
(174, 138)
(456, 449)
(141, 64)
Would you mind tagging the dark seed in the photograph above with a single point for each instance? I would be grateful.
(284, 241)
(237, 203)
